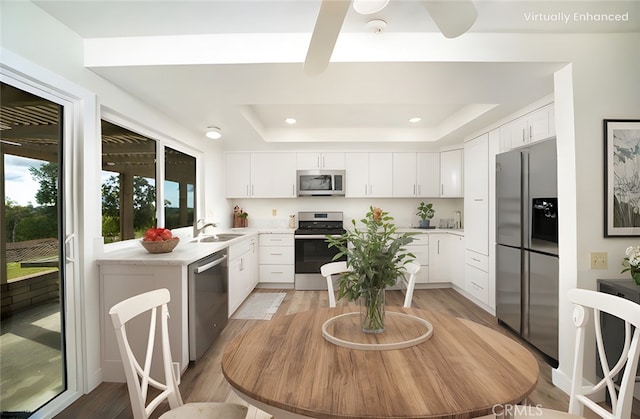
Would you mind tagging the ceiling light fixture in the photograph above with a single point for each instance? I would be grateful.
(367, 7)
(377, 25)
(214, 133)
(290, 121)
(415, 119)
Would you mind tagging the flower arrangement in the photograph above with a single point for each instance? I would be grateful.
(632, 263)
(376, 256)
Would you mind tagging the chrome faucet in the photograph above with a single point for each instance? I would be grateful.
(198, 230)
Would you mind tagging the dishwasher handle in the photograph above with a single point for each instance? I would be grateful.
(210, 265)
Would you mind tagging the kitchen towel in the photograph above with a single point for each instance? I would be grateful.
(260, 306)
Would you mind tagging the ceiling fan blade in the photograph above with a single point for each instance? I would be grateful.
(453, 17)
(325, 34)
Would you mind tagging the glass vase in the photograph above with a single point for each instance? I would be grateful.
(372, 310)
(635, 274)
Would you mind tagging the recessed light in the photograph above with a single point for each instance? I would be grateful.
(214, 133)
(415, 119)
(290, 121)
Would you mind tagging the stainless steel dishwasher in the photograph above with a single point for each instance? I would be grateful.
(208, 302)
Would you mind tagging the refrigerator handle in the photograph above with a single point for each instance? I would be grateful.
(525, 279)
(525, 204)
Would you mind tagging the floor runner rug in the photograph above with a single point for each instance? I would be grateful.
(260, 306)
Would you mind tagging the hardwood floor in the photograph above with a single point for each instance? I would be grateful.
(203, 381)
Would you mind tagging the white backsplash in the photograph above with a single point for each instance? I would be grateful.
(403, 210)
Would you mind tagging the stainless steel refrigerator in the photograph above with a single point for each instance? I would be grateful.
(527, 244)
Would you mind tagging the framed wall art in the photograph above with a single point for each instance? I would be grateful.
(622, 178)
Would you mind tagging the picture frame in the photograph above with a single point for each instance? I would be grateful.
(622, 177)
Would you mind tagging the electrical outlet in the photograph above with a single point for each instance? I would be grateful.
(599, 260)
(274, 212)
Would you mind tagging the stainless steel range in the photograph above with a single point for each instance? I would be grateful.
(311, 249)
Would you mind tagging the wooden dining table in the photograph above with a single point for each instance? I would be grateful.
(287, 368)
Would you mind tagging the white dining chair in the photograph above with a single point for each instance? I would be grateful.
(594, 304)
(138, 377)
(409, 282)
(328, 270)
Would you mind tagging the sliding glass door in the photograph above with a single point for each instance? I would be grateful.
(33, 368)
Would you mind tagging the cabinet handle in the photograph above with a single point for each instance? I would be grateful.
(323, 162)
(476, 260)
(442, 189)
(523, 135)
(414, 189)
(479, 199)
(365, 188)
(318, 162)
(275, 254)
(530, 132)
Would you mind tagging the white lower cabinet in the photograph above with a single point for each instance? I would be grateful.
(420, 249)
(243, 275)
(277, 259)
(476, 275)
(439, 263)
(121, 281)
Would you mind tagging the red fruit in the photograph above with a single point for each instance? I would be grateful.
(158, 239)
(166, 234)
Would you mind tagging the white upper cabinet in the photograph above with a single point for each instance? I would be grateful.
(476, 197)
(273, 175)
(416, 175)
(451, 174)
(535, 126)
(328, 161)
(369, 175)
(238, 175)
(260, 175)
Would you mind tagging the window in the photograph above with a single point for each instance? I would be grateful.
(128, 183)
(179, 188)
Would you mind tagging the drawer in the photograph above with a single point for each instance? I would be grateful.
(276, 240)
(241, 248)
(477, 260)
(277, 273)
(420, 252)
(421, 239)
(477, 283)
(276, 255)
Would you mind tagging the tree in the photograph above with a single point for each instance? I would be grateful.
(47, 175)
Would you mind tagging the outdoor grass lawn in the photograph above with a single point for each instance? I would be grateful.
(15, 271)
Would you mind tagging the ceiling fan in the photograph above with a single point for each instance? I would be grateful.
(453, 18)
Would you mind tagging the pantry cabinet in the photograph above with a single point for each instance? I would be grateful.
(451, 174)
(369, 175)
(327, 161)
(476, 197)
(416, 175)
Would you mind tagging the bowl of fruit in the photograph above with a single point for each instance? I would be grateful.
(159, 240)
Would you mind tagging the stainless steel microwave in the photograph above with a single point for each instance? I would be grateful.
(320, 182)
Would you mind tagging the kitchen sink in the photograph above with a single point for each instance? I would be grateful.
(217, 238)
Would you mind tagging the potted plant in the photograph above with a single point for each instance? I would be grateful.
(376, 256)
(426, 213)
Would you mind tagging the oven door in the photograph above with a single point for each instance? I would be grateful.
(311, 252)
